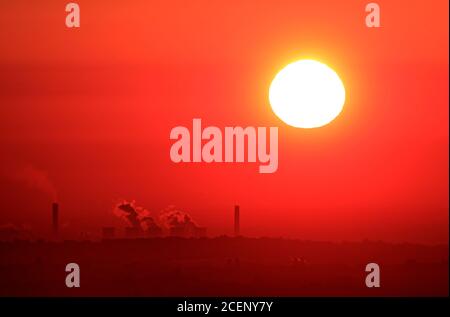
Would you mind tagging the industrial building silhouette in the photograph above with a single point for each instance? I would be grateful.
(187, 263)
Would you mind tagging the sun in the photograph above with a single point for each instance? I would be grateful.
(307, 94)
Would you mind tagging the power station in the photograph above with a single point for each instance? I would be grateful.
(132, 232)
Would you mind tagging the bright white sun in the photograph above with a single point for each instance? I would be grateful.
(307, 94)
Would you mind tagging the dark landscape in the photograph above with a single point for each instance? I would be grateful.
(222, 266)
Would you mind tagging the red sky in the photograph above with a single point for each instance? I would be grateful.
(93, 108)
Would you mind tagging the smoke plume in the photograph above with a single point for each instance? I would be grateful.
(164, 222)
(36, 178)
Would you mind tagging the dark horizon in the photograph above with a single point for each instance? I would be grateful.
(222, 266)
(121, 228)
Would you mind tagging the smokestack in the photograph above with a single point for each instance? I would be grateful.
(55, 216)
(236, 221)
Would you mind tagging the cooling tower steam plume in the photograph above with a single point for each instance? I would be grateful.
(130, 213)
(144, 220)
(173, 218)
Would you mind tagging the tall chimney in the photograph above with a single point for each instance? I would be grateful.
(236, 221)
(55, 216)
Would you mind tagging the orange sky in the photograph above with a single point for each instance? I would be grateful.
(93, 107)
